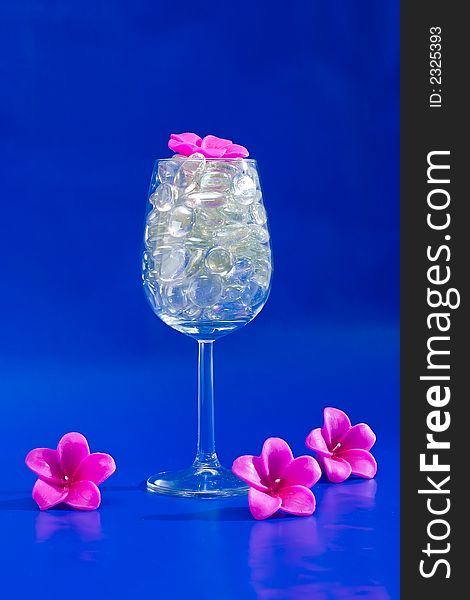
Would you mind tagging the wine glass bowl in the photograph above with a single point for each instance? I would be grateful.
(206, 270)
(207, 261)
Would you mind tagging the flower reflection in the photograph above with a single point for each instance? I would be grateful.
(322, 557)
(84, 525)
(282, 550)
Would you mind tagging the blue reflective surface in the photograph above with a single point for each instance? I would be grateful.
(211, 549)
(208, 549)
(90, 92)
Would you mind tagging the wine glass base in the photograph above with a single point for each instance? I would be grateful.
(197, 482)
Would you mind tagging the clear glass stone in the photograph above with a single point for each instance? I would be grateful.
(253, 173)
(219, 260)
(189, 173)
(242, 270)
(163, 197)
(184, 182)
(241, 165)
(174, 298)
(153, 294)
(244, 189)
(252, 295)
(194, 164)
(262, 274)
(232, 234)
(259, 233)
(173, 263)
(232, 293)
(153, 216)
(231, 311)
(213, 180)
(157, 254)
(235, 214)
(209, 218)
(196, 261)
(192, 313)
(222, 166)
(181, 221)
(167, 170)
(151, 275)
(150, 237)
(198, 238)
(205, 290)
(258, 213)
(158, 251)
(211, 199)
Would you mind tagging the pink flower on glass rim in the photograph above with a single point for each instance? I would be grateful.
(277, 480)
(343, 450)
(210, 146)
(69, 474)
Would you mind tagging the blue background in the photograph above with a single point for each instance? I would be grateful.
(90, 92)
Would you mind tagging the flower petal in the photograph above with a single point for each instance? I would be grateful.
(297, 500)
(45, 463)
(360, 436)
(236, 151)
(336, 425)
(316, 442)
(72, 449)
(244, 467)
(362, 463)
(47, 495)
(276, 455)
(212, 141)
(303, 470)
(84, 495)
(262, 505)
(184, 148)
(337, 469)
(261, 468)
(212, 152)
(95, 467)
(190, 138)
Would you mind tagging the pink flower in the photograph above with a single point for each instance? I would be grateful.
(343, 450)
(69, 474)
(278, 481)
(210, 146)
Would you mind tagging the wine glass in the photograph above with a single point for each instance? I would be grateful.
(206, 272)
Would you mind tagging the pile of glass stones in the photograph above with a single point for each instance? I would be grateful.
(207, 260)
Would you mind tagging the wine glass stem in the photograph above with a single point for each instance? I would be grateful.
(206, 455)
